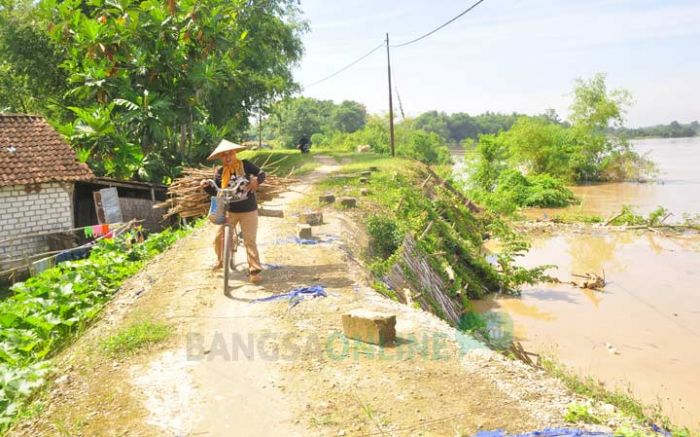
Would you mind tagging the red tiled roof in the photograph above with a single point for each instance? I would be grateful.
(31, 152)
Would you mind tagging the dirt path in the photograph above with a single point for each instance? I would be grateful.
(237, 368)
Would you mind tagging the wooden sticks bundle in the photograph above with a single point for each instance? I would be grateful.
(187, 199)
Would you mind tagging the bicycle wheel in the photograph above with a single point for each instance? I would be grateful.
(227, 256)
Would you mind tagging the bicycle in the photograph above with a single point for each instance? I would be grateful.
(231, 237)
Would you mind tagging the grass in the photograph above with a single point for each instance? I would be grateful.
(592, 389)
(282, 162)
(135, 337)
(572, 217)
(578, 413)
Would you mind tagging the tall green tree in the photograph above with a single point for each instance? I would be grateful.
(30, 80)
(151, 85)
(349, 116)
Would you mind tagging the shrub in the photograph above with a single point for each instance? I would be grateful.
(385, 235)
(513, 190)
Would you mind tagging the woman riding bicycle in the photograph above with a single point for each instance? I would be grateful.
(245, 211)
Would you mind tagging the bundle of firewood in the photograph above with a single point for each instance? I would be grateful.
(186, 197)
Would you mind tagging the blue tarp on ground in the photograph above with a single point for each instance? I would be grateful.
(547, 432)
(307, 241)
(296, 295)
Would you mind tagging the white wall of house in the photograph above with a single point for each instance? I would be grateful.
(47, 207)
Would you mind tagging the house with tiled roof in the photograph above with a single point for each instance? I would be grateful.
(38, 172)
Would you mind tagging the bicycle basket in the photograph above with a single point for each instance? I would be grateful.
(217, 210)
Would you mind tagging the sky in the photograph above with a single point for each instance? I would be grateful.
(506, 55)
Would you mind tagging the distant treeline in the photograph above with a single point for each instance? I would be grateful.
(293, 118)
(671, 130)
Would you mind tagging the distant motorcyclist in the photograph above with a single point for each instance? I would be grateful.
(304, 144)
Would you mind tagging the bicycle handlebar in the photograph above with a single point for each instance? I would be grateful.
(228, 193)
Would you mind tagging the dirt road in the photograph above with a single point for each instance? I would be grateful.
(234, 367)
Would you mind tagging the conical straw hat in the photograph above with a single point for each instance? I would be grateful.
(225, 146)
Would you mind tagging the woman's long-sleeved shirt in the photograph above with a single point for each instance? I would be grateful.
(249, 204)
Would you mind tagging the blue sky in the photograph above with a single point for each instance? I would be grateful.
(508, 55)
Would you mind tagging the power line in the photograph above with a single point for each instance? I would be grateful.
(440, 27)
(346, 67)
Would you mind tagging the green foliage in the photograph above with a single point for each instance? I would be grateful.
(528, 164)
(455, 238)
(135, 337)
(423, 146)
(577, 413)
(488, 161)
(410, 142)
(349, 117)
(281, 162)
(471, 322)
(140, 88)
(385, 235)
(455, 128)
(540, 146)
(594, 107)
(43, 313)
(29, 77)
(628, 217)
(303, 116)
(569, 217)
(513, 190)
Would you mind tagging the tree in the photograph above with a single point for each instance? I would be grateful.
(427, 147)
(30, 81)
(169, 77)
(349, 116)
(541, 146)
(433, 121)
(299, 117)
(594, 107)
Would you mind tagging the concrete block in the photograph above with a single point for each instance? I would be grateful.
(311, 218)
(348, 202)
(364, 192)
(304, 231)
(364, 180)
(326, 198)
(366, 173)
(264, 212)
(374, 168)
(369, 326)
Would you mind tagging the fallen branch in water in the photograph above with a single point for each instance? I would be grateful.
(613, 218)
(520, 353)
(592, 281)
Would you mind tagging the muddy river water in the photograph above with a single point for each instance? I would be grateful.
(643, 333)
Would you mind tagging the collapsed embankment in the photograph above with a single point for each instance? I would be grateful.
(426, 239)
(426, 250)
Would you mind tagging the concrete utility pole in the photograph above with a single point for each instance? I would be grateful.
(391, 103)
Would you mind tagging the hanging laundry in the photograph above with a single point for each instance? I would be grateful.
(73, 254)
(88, 232)
(97, 230)
(105, 229)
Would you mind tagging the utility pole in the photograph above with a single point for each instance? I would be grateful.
(391, 104)
(260, 128)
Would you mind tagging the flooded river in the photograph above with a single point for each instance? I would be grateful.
(677, 186)
(643, 332)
